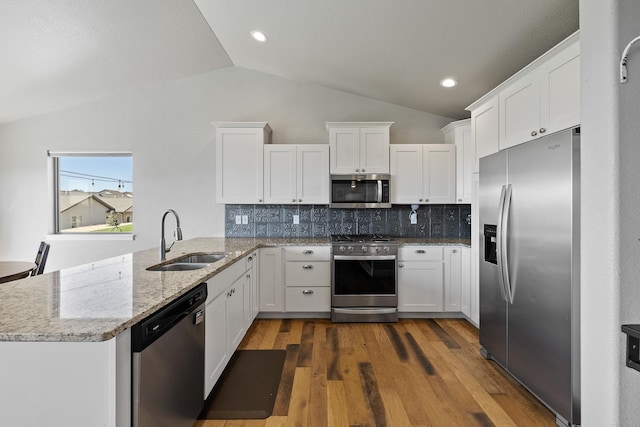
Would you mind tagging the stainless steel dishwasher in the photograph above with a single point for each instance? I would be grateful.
(168, 363)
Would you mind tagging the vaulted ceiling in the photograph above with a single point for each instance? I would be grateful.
(60, 53)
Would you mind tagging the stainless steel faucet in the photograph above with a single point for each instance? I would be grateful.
(177, 234)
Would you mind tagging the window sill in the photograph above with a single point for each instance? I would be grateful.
(90, 236)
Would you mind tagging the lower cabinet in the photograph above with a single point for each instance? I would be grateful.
(420, 279)
(228, 316)
(271, 290)
(307, 278)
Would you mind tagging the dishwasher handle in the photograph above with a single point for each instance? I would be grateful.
(148, 330)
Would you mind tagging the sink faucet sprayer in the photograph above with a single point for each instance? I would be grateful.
(177, 234)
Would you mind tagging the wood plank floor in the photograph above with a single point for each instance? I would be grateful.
(417, 372)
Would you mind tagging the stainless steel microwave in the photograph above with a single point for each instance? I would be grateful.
(361, 191)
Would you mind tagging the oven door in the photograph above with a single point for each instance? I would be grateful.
(364, 281)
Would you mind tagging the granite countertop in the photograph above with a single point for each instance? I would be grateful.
(99, 300)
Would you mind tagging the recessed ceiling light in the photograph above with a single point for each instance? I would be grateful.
(259, 35)
(448, 83)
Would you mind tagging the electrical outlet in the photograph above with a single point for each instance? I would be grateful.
(296, 219)
(245, 219)
(413, 217)
(238, 219)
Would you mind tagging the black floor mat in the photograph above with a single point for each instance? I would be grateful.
(247, 388)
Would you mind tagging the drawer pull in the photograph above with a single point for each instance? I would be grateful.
(454, 251)
(307, 266)
(307, 292)
(307, 252)
(420, 251)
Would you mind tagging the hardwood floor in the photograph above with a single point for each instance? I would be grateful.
(417, 372)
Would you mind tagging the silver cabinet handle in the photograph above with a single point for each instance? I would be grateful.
(248, 276)
(307, 266)
(307, 252)
(300, 200)
(250, 258)
(307, 292)
(357, 170)
(420, 200)
(259, 200)
(293, 200)
(426, 200)
(401, 265)
(454, 251)
(420, 251)
(542, 130)
(534, 133)
(363, 170)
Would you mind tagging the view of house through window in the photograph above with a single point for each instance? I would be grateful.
(94, 193)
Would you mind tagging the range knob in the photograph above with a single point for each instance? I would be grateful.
(386, 248)
(341, 248)
(364, 249)
(350, 248)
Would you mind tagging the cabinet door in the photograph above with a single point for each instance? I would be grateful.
(439, 173)
(235, 314)
(520, 111)
(452, 280)
(560, 91)
(406, 173)
(215, 348)
(239, 165)
(465, 162)
(374, 150)
(420, 286)
(465, 281)
(280, 174)
(344, 150)
(485, 130)
(271, 285)
(313, 174)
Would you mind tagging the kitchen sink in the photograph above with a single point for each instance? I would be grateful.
(179, 266)
(188, 262)
(206, 258)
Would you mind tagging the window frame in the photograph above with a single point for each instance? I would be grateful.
(54, 201)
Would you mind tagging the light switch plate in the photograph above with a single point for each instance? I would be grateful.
(296, 219)
(245, 219)
(238, 219)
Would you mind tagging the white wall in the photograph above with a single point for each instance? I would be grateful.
(168, 128)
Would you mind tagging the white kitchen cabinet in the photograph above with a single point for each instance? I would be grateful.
(485, 129)
(465, 281)
(271, 284)
(459, 134)
(215, 350)
(296, 174)
(253, 268)
(544, 99)
(358, 147)
(423, 173)
(420, 279)
(240, 161)
(235, 313)
(452, 279)
(307, 278)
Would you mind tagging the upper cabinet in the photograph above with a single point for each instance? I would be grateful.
(459, 134)
(359, 147)
(543, 101)
(542, 98)
(423, 173)
(296, 174)
(240, 161)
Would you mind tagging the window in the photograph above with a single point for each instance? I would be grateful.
(92, 192)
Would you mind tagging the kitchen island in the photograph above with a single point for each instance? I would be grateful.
(65, 342)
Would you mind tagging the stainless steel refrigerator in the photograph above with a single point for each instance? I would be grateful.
(529, 201)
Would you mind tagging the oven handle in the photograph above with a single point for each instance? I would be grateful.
(364, 258)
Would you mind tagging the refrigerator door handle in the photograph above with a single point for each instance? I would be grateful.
(505, 253)
(499, 249)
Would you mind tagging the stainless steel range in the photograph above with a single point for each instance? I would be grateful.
(364, 278)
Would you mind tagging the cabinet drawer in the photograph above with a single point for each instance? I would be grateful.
(311, 273)
(307, 253)
(311, 298)
(419, 253)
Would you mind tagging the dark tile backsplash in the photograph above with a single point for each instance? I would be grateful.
(322, 221)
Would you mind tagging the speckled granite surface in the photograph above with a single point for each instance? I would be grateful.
(99, 300)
